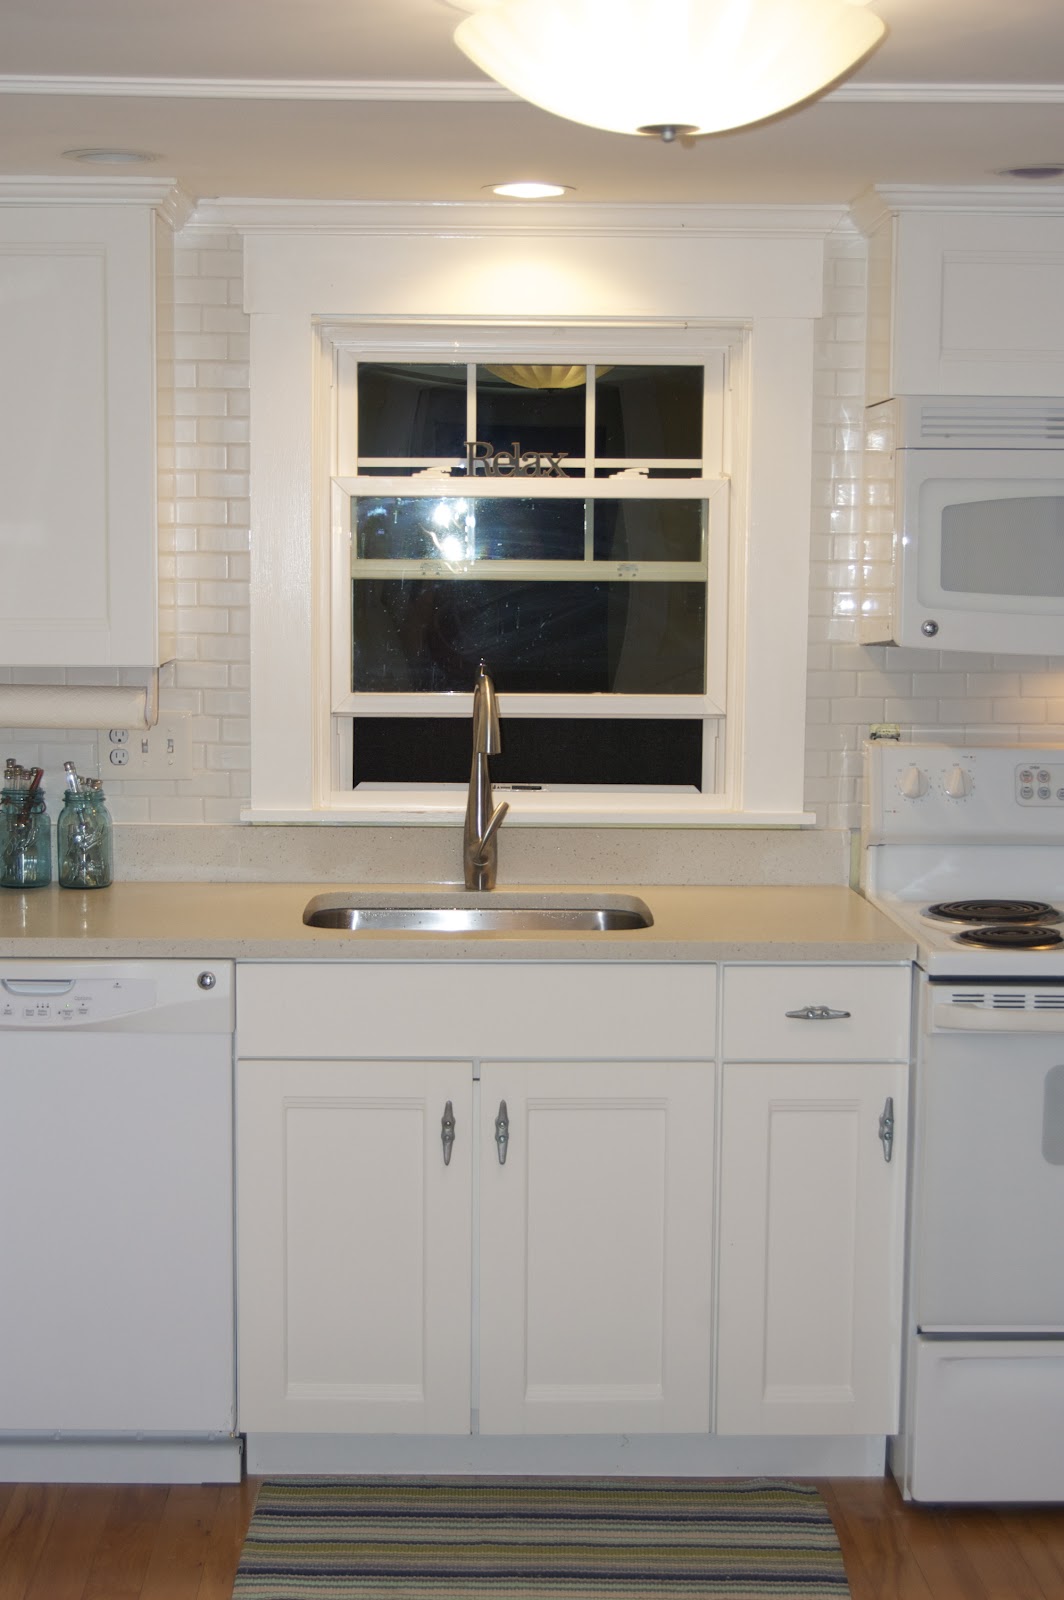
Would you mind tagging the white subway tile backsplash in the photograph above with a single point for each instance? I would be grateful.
(193, 291)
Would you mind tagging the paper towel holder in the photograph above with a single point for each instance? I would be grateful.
(38, 705)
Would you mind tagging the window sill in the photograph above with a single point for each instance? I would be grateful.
(541, 810)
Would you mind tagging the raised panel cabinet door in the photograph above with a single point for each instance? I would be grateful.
(595, 1247)
(353, 1237)
(811, 1248)
(78, 515)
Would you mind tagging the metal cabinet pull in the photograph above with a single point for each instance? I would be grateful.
(447, 1132)
(502, 1132)
(886, 1128)
(816, 1014)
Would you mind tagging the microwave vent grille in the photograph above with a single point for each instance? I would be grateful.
(1032, 423)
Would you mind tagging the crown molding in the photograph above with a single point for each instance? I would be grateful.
(945, 94)
(165, 195)
(875, 206)
(255, 88)
(474, 90)
(537, 219)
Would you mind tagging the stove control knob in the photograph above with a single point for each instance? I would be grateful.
(913, 783)
(958, 784)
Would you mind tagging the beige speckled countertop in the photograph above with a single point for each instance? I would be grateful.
(263, 921)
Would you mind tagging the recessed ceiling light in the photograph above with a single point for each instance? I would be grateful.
(529, 190)
(110, 158)
(1043, 169)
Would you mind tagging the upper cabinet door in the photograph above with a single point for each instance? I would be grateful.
(78, 540)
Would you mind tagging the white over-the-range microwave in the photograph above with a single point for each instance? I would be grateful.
(977, 490)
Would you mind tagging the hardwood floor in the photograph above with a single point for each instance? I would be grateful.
(106, 1542)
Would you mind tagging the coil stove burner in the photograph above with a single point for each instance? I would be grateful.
(1011, 936)
(1015, 912)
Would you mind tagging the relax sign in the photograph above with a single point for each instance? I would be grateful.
(513, 463)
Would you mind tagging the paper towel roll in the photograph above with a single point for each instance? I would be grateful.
(39, 705)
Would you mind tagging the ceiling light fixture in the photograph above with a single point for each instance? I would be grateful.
(668, 67)
(110, 158)
(529, 190)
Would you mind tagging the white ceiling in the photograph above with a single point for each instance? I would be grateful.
(371, 100)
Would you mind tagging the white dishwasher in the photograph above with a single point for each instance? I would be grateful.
(116, 1173)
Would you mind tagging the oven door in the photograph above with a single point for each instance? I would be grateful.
(989, 1210)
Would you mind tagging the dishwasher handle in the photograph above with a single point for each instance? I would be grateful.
(35, 988)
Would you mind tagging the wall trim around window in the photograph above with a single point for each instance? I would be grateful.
(294, 739)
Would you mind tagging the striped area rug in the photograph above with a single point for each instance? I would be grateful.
(539, 1539)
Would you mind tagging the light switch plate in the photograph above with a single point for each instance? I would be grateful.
(164, 751)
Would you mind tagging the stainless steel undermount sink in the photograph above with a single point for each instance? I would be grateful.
(459, 911)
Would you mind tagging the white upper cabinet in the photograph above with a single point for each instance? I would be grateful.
(964, 301)
(78, 414)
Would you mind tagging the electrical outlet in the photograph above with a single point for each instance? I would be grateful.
(164, 751)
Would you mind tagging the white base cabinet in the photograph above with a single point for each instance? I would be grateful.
(355, 1248)
(812, 1198)
(811, 1241)
(562, 1289)
(595, 1247)
(356, 1297)
(552, 1281)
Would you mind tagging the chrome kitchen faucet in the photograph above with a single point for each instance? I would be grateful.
(483, 818)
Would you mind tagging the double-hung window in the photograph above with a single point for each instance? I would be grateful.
(565, 522)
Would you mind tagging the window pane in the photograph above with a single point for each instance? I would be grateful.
(649, 412)
(426, 634)
(408, 409)
(535, 751)
(648, 530)
(453, 529)
(545, 419)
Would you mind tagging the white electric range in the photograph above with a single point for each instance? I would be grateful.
(964, 848)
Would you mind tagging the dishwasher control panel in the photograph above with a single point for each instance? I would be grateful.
(139, 996)
(65, 1002)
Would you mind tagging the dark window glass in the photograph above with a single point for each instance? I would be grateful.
(535, 751)
(648, 411)
(428, 635)
(407, 409)
(409, 529)
(648, 530)
(544, 419)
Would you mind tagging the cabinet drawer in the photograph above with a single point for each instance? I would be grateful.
(590, 1010)
(757, 1000)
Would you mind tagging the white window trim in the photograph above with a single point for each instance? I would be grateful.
(765, 285)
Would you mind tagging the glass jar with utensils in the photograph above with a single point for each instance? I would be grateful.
(25, 829)
(83, 834)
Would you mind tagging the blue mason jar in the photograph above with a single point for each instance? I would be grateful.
(25, 840)
(83, 836)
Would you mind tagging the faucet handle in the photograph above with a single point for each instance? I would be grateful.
(495, 822)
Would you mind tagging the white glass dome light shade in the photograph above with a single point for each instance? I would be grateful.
(644, 66)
